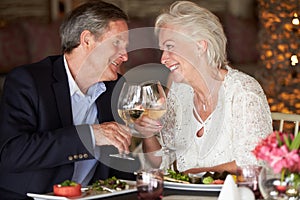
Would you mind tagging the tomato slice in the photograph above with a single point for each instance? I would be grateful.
(218, 181)
(67, 191)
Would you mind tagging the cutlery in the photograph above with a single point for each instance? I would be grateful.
(107, 189)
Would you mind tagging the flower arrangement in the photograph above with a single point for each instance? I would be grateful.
(281, 151)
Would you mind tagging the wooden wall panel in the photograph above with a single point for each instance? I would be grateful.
(15, 9)
(46, 10)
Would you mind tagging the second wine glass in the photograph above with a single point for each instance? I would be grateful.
(155, 104)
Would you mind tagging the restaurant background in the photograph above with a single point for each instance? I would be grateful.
(262, 41)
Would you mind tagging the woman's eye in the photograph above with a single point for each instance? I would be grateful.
(116, 43)
(169, 47)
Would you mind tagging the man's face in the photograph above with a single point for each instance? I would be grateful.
(114, 42)
(105, 55)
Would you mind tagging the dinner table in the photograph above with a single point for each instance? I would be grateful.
(168, 194)
(172, 194)
(172, 190)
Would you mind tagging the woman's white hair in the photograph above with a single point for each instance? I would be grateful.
(200, 24)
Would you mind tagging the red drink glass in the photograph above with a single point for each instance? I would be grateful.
(150, 184)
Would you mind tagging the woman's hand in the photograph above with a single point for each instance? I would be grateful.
(147, 126)
(230, 167)
(195, 170)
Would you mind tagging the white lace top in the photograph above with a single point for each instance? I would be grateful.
(241, 118)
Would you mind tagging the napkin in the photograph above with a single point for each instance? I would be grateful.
(246, 194)
(230, 191)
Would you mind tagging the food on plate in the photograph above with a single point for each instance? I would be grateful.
(214, 177)
(166, 178)
(207, 180)
(201, 178)
(176, 177)
(72, 189)
(218, 181)
(110, 184)
(67, 189)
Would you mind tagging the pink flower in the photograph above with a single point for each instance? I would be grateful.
(281, 158)
(280, 151)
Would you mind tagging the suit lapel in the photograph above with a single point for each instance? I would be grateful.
(103, 106)
(62, 92)
(107, 102)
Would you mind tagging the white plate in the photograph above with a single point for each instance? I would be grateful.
(86, 195)
(188, 197)
(193, 187)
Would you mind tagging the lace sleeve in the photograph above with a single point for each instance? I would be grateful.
(171, 123)
(169, 120)
(251, 122)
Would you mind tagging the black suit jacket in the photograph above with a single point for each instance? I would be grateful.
(38, 141)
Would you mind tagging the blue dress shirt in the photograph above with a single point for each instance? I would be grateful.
(84, 111)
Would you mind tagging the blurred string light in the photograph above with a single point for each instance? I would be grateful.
(279, 34)
(295, 23)
(294, 60)
(295, 20)
(279, 48)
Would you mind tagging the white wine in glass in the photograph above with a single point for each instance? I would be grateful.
(154, 113)
(129, 108)
(130, 115)
(155, 105)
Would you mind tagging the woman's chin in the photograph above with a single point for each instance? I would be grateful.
(176, 77)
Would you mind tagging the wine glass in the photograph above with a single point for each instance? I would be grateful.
(150, 184)
(247, 176)
(129, 108)
(155, 106)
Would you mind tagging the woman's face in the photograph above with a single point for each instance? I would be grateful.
(180, 53)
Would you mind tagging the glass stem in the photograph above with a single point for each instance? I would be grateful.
(163, 140)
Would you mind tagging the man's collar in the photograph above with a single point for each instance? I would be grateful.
(93, 91)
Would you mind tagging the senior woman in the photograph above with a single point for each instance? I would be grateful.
(216, 113)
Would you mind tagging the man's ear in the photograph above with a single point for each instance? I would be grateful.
(86, 38)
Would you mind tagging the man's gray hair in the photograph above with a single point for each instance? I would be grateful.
(93, 16)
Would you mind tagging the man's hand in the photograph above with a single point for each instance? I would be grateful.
(112, 133)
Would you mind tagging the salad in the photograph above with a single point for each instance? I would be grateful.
(67, 189)
(203, 178)
(110, 184)
(72, 189)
